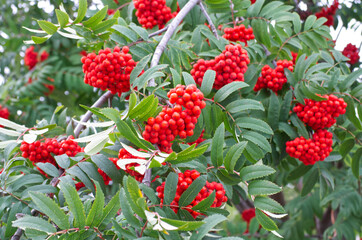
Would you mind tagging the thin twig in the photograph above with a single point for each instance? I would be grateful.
(354, 136)
(103, 99)
(170, 31)
(267, 53)
(232, 11)
(122, 6)
(212, 26)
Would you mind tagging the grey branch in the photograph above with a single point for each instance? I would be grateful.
(103, 99)
(170, 31)
(212, 26)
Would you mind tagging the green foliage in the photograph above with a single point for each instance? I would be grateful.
(245, 131)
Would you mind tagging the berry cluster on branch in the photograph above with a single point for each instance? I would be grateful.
(229, 66)
(351, 51)
(317, 115)
(109, 70)
(31, 57)
(309, 151)
(4, 113)
(184, 181)
(178, 120)
(273, 79)
(239, 33)
(328, 13)
(42, 150)
(247, 215)
(153, 12)
(320, 114)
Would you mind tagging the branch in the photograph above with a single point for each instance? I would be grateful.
(103, 99)
(267, 53)
(212, 26)
(170, 31)
(232, 11)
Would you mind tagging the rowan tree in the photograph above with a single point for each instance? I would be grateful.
(155, 119)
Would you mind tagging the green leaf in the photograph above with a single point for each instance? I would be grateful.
(346, 146)
(140, 31)
(268, 204)
(351, 113)
(191, 192)
(39, 40)
(82, 10)
(126, 32)
(258, 139)
(356, 159)
(48, 168)
(207, 82)
(170, 188)
(244, 104)
(233, 155)
(299, 172)
(309, 22)
(183, 225)
(273, 111)
(107, 166)
(51, 209)
(183, 157)
(48, 27)
(63, 161)
(254, 124)
(104, 26)
(263, 187)
(265, 221)
(142, 107)
(288, 130)
(175, 77)
(93, 218)
(75, 205)
(217, 146)
(309, 182)
(350, 79)
(206, 203)
(62, 17)
(226, 90)
(128, 133)
(296, 22)
(210, 223)
(188, 79)
(255, 171)
(127, 211)
(261, 31)
(96, 18)
(111, 209)
(228, 178)
(300, 126)
(139, 67)
(36, 223)
(255, 8)
(135, 194)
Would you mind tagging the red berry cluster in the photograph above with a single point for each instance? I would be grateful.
(239, 33)
(199, 140)
(175, 121)
(351, 51)
(320, 114)
(184, 181)
(252, 1)
(153, 12)
(273, 79)
(328, 13)
(294, 55)
(109, 70)
(309, 151)
(39, 151)
(31, 57)
(230, 66)
(111, 11)
(248, 214)
(4, 113)
(124, 154)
